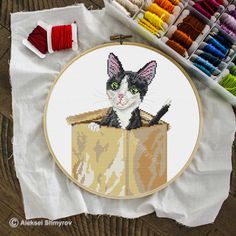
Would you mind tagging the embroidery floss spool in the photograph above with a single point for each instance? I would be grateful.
(129, 6)
(222, 39)
(175, 2)
(162, 13)
(147, 25)
(138, 3)
(38, 38)
(199, 8)
(233, 13)
(212, 59)
(233, 70)
(228, 31)
(177, 47)
(62, 37)
(182, 38)
(229, 83)
(166, 5)
(154, 20)
(228, 24)
(202, 68)
(120, 8)
(46, 38)
(218, 45)
(214, 51)
(207, 7)
(191, 26)
(209, 67)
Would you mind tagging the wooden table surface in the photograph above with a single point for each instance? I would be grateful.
(11, 204)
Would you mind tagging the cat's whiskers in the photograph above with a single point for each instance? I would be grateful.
(99, 94)
(149, 101)
(102, 101)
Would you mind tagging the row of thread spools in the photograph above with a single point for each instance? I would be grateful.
(156, 16)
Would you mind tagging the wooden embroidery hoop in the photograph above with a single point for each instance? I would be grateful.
(200, 130)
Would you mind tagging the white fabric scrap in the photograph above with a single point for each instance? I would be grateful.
(193, 199)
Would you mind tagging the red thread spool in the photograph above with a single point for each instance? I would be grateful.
(38, 38)
(207, 7)
(61, 37)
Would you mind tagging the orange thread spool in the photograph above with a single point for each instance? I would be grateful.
(165, 4)
(162, 13)
(175, 2)
(176, 46)
(182, 38)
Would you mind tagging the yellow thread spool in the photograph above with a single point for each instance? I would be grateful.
(162, 13)
(147, 25)
(154, 20)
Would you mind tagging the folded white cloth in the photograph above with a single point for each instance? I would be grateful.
(193, 199)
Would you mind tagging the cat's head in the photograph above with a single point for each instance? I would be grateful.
(126, 88)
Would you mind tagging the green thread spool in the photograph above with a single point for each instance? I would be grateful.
(229, 83)
(233, 70)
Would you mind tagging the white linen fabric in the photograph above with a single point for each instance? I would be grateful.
(193, 199)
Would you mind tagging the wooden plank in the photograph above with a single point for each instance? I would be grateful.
(4, 229)
(98, 3)
(113, 225)
(139, 226)
(226, 220)
(5, 88)
(233, 174)
(8, 6)
(3, 13)
(4, 41)
(160, 225)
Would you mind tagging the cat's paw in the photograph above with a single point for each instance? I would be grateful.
(94, 126)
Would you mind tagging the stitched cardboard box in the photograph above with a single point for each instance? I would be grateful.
(117, 162)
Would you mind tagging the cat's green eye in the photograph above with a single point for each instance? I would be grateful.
(133, 90)
(114, 85)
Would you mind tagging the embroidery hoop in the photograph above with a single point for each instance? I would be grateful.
(200, 130)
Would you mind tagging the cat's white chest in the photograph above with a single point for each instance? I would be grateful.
(124, 118)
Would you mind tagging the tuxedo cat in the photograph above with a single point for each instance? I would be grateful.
(125, 90)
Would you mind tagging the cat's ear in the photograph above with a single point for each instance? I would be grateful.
(148, 72)
(114, 66)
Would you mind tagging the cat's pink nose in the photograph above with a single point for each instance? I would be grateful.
(120, 95)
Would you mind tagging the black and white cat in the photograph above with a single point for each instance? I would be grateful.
(125, 90)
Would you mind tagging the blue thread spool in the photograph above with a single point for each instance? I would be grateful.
(224, 41)
(218, 45)
(213, 50)
(205, 64)
(212, 59)
(202, 68)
